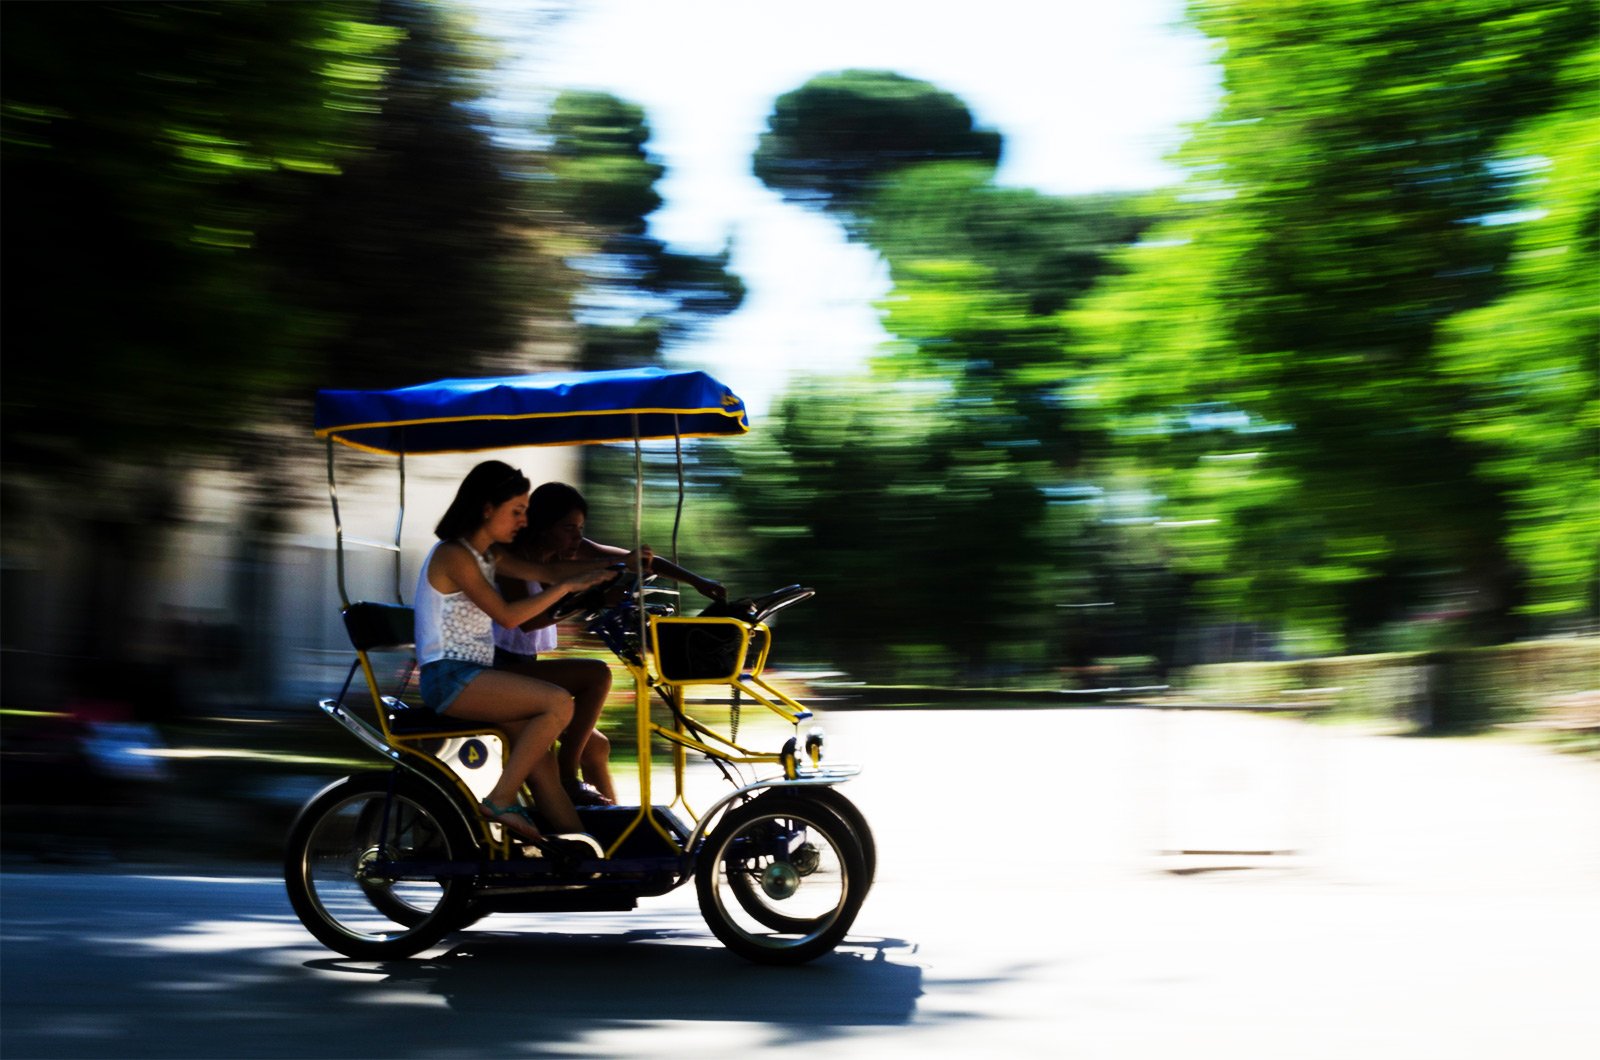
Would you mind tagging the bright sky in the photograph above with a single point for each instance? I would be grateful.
(1089, 95)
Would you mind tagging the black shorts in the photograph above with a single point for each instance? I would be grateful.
(510, 660)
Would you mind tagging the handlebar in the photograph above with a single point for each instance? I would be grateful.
(621, 594)
(616, 621)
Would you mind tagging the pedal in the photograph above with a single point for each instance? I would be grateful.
(582, 844)
(564, 852)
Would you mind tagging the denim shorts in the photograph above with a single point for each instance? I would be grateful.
(441, 682)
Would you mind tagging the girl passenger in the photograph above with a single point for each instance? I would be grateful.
(556, 524)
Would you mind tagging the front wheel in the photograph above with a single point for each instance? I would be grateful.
(835, 800)
(780, 879)
(365, 866)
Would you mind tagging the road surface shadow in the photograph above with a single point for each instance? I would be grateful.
(653, 974)
(116, 964)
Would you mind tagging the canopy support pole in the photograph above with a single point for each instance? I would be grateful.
(641, 676)
(399, 523)
(677, 448)
(338, 528)
(638, 517)
(339, 537)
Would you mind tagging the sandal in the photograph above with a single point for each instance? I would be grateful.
(514, 818)
(582, 793)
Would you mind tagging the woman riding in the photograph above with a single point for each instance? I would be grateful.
(457, 606)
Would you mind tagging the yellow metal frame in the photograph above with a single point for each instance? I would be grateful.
(410, 745)
(684, 734)
(687, 733)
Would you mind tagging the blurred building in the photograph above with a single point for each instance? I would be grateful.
(216, 614)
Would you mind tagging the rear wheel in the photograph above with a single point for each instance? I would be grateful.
(392, 832)
(780, 879)
(364, 867)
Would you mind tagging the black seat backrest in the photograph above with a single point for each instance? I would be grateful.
(380, 627)
(760, 608)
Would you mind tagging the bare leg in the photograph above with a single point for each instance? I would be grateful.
(583, 750)
(596, 764)
(596, 761)
(533, 713)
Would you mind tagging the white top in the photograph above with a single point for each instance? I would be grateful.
(450, 625)
(530, 641)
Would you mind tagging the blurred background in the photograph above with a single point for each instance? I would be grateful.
(1306, 400)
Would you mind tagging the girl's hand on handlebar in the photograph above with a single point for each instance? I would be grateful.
(579, 582)
(712, 589)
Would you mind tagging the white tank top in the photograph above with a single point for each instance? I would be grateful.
(526, 641)
(450, 625)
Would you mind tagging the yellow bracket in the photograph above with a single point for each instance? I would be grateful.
(407, 744)
(643, 729)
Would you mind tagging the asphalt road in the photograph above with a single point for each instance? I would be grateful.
(1363, 896)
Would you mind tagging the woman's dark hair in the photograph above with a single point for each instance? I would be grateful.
(491, 483)
(550, 503)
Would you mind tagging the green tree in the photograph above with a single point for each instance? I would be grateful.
(839, 138)
(145, 150)
(1275, 349)
(599, 156)
(1529, 359)
(941, 480)
(980, 275)
(415, 255)
(858, 488)
(1046, 249)
(637, 295)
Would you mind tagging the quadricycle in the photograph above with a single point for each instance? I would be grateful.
(385, 863)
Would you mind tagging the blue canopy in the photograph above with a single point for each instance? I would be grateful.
(555, 408)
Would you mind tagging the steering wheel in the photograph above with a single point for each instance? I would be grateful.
(598, 597)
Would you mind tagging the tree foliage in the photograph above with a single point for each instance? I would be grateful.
(640, 296)
(840, 137)
(604, 173)
(416, 253)
(144, 147)
(1348, 381)
(211, 208)
(1346, 204)
(927, 500)
(1529, 359)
